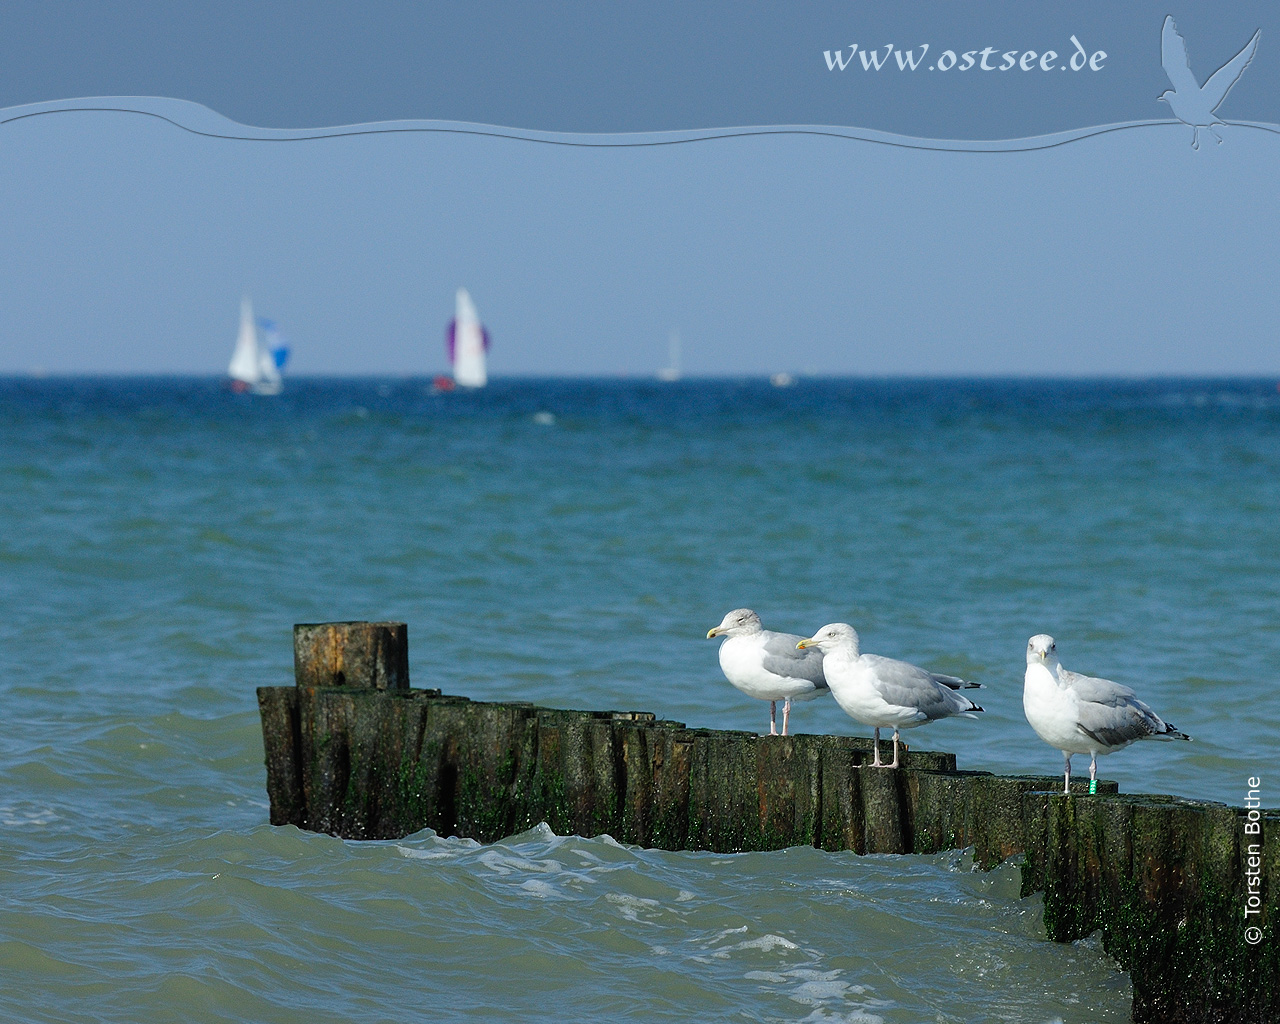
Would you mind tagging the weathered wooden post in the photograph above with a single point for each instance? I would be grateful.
(368, 654)
(331, 662)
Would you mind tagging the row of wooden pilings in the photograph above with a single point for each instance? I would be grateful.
(353, 751)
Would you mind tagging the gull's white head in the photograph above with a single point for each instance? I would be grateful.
(1042, 649)
(739, 622)
(837, 635)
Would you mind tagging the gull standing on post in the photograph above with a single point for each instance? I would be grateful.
(1083, 715)
(767, 665)
(882, 692)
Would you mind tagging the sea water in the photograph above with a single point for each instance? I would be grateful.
(570, 543)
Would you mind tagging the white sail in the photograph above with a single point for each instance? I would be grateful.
(468, 344)
(672, 370)
(244, 360)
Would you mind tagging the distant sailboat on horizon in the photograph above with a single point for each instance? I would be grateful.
(255, 367)
(467, 342)
(672, 370)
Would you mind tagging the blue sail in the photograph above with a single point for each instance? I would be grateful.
(275, 341)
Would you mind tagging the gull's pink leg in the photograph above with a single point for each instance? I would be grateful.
(786, 713)
(1066, 774)
(773, 718)
(895, 749)
(875, 763)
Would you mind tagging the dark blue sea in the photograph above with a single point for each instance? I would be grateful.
(570, 542)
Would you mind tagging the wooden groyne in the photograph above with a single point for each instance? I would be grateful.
(353, 751)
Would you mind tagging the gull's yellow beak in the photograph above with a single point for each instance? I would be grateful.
(803, 644)
(713, 631)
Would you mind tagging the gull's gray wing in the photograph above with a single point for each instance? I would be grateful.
(1114, 725)
(1173, 55)
(782, 658)
(907, 685)
(1111, 712)
(1095, 690)
(1220, 82)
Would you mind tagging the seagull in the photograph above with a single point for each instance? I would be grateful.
(881, 692)
(1192, 103)
(767, 665)
(1083, 715)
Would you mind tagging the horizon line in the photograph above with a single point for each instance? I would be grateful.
(760, 376)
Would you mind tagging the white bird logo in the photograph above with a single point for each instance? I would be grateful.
(1192, 103)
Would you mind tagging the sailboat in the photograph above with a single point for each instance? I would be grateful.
(672, 370)
(254, 367)
(467, 342)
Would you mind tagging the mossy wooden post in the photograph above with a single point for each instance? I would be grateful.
(326, 756)
(282, 748)
(1161, 877)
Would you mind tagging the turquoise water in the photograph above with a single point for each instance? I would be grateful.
(570, 543)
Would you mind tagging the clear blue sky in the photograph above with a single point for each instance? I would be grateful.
(127, 243)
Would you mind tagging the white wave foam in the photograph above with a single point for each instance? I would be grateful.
(441, 848)
(542, 889)
(22, 817)
(770, 976)
(631, 906)
(765, 943)
(820, 989)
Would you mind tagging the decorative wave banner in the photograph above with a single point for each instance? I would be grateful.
(200, 120)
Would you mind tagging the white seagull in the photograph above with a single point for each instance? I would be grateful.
(1083, 715)
(1192, 103)
(767, 665)
(881, 692)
